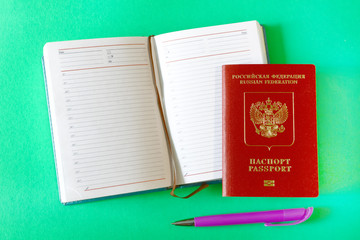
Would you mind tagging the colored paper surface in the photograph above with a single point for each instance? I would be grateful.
(323, 33)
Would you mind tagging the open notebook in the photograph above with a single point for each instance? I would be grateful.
(118, 104)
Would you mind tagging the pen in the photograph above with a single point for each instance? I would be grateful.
(270, 218)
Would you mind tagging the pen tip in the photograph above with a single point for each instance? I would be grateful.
(186, 222)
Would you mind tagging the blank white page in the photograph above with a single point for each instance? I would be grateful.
(107, 131)
(190, 65)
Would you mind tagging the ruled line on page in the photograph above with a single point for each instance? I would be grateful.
(193, 174)
(77, 163)
(105, 160)
(89, 189)
(200, 121)
(76, 149)
(189, 143)
(113, 121)
(103, 93)
(91, 135)
(82, 65)
(122, 169)
(200, 72)
(80, 84)
(123, 49)
(127, 82)
(198, 117)
(198, 50)
(228, 36)
(104, 147)
(116, 105)
(112, 45)
(108, 96)
(193, 134)
(111, 164)
(98, 121)
(201, 99)
(125, 78)
(207, 89)
(114, 166)
(116, 66)
(225, 43)
(236, 41)
(83, 136)
(123, 146)
(85, 154)
(107, 83)
(120, 177)
(124, 172)
(201, 84)
(76, 58)
(136, 54)
(83, 60)
(94, 139)
(199, 147)
(125, 181)
(202, 94)
(202, 160)
(102, 115)
(193, 151)
(88, 51)
(114, 86)
(119, 101)
(203, 35)
(204, 166)
(211, 141)
(197, 109)
(145, 150)
(94, 113)
(201, 163)
(112, 71)
(197, 77)
(204, 56)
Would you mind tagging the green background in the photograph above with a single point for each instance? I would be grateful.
(324, 33)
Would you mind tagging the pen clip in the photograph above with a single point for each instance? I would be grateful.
(308, 213)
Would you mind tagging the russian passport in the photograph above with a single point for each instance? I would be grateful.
(269, 130)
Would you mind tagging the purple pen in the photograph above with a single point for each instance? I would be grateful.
(270, 218)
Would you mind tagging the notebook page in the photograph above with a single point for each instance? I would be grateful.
(191, 64)
(107, 131)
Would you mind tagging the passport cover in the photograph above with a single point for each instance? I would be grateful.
(269, 130)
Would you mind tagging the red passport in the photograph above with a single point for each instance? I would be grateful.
(269, 131)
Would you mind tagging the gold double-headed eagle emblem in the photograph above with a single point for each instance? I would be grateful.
(268, 116)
